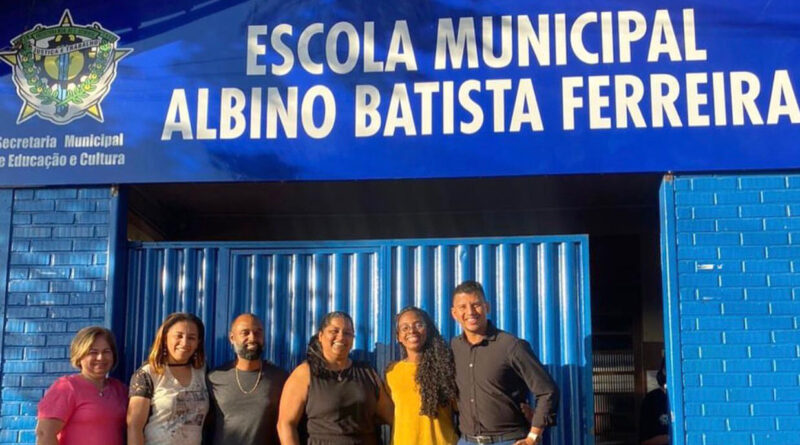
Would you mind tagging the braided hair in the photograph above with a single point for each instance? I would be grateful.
(435, 377)
(316, 361)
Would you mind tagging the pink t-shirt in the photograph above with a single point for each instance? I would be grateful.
(89, 419)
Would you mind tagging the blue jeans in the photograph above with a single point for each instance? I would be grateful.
(462, 441)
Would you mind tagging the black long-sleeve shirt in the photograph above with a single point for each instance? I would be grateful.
(493, 378)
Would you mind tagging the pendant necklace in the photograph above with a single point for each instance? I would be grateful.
(101, 390)
(258, 379)
(341, 373)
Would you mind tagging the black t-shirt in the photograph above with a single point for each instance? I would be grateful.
(654, 420)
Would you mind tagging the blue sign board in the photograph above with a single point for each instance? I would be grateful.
(100, 92)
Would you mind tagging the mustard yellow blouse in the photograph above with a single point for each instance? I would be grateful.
(411, 427)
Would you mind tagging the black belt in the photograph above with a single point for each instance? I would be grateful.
(492, 439)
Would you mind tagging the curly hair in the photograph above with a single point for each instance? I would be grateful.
(436, 375)
(316, 361)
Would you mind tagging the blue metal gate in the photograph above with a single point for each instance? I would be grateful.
(538, 289)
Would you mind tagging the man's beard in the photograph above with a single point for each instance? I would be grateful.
(248, 354)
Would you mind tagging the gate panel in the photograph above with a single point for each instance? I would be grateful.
(538, 289)
(293, 289)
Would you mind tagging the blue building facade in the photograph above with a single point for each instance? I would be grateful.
(730, 262)
(100, 98)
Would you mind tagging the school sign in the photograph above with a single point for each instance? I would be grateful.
(232, 91)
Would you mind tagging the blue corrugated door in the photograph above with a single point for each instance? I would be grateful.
(538, 288)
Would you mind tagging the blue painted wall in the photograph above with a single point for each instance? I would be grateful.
(731, 259)
(57, 283)
(732, 300)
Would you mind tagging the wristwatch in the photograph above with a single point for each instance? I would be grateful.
(533, 436)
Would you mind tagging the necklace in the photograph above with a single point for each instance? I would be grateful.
(258, 379)
(101, 389)
(341, 373)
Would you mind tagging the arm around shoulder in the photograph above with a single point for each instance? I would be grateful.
(293, 404)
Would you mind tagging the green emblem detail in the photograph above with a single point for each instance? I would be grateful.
(63, 72)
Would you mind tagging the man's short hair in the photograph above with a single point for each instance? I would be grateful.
(249, 314)
(471, 287)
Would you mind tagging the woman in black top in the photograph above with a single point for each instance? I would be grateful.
(344, 401)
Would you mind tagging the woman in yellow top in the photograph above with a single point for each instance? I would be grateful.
(422, 385)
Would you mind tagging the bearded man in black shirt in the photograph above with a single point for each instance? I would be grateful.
(495, 373)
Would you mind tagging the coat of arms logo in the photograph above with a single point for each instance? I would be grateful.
(63, 72)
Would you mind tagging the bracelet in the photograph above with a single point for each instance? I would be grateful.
(533, 436)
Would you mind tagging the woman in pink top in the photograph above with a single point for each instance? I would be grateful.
(87, 408)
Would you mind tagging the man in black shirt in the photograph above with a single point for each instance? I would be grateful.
(495, 372)
(245, 393)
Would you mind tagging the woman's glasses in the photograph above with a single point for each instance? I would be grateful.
(407, 327)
